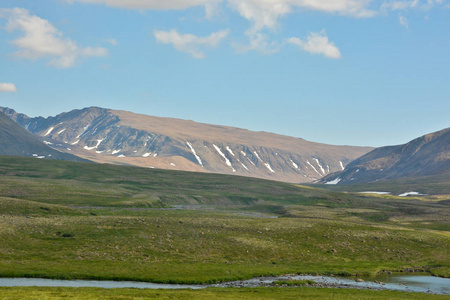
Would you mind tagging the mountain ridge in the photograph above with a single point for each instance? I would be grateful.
(423, 156)
(113, 136)
(17, 141)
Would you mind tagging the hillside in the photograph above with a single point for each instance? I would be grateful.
(424, 156)
(120, 137)
(15, 140)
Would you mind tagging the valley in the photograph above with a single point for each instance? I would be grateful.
(80, 220)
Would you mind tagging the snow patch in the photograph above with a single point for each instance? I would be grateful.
(269, 167)
(85, 128)
(243, 153)
(154, 155)
(47, 143)
(89, 148)
(229, 150)
(61, 131)
(223, 155)
(294, 164)
(146, 154)
(195, 154)
(98, 152)
(320, 166)
(410, 193)
(76, 142)
(69, 149)
(49, 130)
(172, 164)
(121, 155)
(256, 153)
(336, 181)
(245, 167)
(342, 165)
(313, 167)
(116, 151)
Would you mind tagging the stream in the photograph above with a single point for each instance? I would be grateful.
(409, 283)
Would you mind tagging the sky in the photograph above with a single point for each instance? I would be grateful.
(344, 72)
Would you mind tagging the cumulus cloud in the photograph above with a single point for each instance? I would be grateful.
(7, 87)
(403, 21)
(41, 39)
(317, 43)
(190, 43)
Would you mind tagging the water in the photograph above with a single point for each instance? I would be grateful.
(91, 283)
(408, 283)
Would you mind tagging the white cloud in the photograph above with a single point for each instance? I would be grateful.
(41, 39)
(7, 87)
(112, 42)
(190, 43)
(317, 43)
(403, 21)
(150, 4)
(410, 4)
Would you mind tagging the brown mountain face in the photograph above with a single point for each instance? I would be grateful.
(105, 135)
(426, 155)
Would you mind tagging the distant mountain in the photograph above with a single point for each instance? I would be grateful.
(426, 155)
(105, 135)
(15, 140)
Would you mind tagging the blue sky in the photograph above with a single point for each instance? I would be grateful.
(355, 72)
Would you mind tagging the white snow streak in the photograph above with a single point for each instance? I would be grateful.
(223, 155)
(229, 150)
(294, 164)
(269, 167)
(195, 154)
(409, 193)
(336, 181)
(243, 153)
(320, 166)
(172, 164)
(256, 153)
(47, 143)
(61, 131)
(154, 155)
(94, 147)
(85, 128)
(116, 151)
(121, 155)
(313, 167)
(147, 154)
(76, 142)
(243, 165)
(49, 130)
(342, 165)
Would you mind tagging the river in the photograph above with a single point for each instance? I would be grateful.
(409, 283)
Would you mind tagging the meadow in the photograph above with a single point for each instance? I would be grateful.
(88, 221)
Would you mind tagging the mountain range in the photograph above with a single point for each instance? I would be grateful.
(121, 137)
(426, 155)
(15, 140)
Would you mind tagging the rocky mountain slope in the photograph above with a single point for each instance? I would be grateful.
(15, 140)
(105, 135)
(426, 155)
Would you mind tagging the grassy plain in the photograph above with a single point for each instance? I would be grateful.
(75, 220)
(211, 293)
